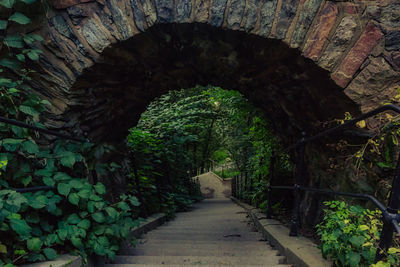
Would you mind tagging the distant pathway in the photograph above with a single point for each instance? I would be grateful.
(216, 233)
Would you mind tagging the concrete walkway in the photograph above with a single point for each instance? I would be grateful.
(216, 233)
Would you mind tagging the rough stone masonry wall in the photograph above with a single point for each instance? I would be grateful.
(357, 41)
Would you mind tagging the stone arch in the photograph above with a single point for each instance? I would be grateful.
(357, 44)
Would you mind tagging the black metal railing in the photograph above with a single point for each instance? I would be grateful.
(390, 214)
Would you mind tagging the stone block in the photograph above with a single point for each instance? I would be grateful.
(392, 40)
(369, 87)
(339, 43)
(356, 56)
(250, 16)
(285, 17)
(62, 4)
(165, 11)
(217, 12)
(320, 32)
(308, 12)
(235, 14)
(183, 10)
(267, 15)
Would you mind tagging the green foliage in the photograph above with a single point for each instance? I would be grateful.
(75, 217)
(350, 235)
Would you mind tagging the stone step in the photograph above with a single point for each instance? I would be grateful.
(184, 265)
(209, 237)
(200, 260)
(225, 232)
(179, 250)
(234, 243)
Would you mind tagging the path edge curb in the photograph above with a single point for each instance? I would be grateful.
(299, 251)
(66, 260)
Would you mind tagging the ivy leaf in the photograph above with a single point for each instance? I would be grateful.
(354, 259)
(68, 160)
(19, 18)
(14, 40)
(77, 242)
(20, 227)
(7, 3)
(63, 189)
(30, 147)
(73, 219)
(10, 63)
(34, 244)
(50, 239)
(73, 199)
(28, 1)
(76, 183)
(112, 212)
(50, 253)
(62, 233)
(98, 217)
(21, 57)
(61, 176)
(357, 241)
(85, 224)
(84, 194)
(38, 202)
(33, 55)
(3, 248)
(100, 188)
(3, 24)
(29, 110)
(48, 181)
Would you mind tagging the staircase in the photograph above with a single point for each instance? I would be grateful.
(216, 233)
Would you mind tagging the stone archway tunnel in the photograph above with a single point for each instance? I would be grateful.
(302, 61)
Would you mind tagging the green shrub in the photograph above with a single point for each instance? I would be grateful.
(350, 235)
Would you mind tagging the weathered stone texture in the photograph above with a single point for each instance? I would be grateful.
(306, 17)
(95, 35)
(120, 20)
(370, 87)
(165, 10)
(149, 11)
(183, 9)
(202, 8)
(352, 62)
(392, 40)
(77, 13)
(61, 4)
(320, 32)
(235, 14)
(67, 46)
(285, 17)
(388, 15)
(138, 14)
(267, 15)
(250, 16)
(339, 43)
(217, 12)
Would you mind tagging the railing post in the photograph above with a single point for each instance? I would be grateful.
(393, 208)
(298, 182)
(271, 179)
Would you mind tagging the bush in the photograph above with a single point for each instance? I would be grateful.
(350, 235)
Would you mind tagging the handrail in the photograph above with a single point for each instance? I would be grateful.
(42, 130)
(353, 121)
(33, 189)
(390, 214)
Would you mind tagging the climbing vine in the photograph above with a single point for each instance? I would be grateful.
(75, 216)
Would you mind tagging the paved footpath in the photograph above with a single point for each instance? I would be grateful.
(216, 233)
